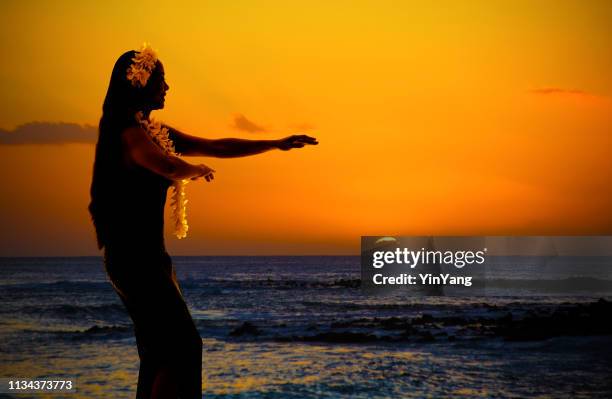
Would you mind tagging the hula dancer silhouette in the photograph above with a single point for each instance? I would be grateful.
(136, 162)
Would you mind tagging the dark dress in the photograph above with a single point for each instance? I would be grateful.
(128, 203)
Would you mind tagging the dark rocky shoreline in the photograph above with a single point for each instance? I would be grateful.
(501, 322)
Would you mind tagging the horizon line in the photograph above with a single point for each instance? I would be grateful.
(184, 256)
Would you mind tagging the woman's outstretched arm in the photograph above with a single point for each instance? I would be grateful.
(186, 144)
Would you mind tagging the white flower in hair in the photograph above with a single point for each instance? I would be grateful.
(178, 202)
(142, 66)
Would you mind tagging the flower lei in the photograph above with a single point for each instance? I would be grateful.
(138, 74)
(178, 202)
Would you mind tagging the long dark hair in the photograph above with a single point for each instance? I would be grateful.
(121, 103)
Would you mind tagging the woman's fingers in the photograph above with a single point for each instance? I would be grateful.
(207, 173)
(306, 139)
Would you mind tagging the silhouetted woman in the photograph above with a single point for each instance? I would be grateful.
(131, 177)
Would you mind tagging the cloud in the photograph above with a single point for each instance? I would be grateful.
(49, 133)
(242, 123)
(303, 126)
(556, 90)
(548, 91)
(573, 95)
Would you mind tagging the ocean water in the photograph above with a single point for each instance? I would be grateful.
(300, 327)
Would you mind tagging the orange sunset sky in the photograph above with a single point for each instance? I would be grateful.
(445, 117)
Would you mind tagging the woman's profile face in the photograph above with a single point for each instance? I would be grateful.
(157, 87)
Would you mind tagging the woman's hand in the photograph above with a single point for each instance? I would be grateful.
(295, 141)
(205, 172)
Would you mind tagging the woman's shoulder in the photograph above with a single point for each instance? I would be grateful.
(134, 132)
